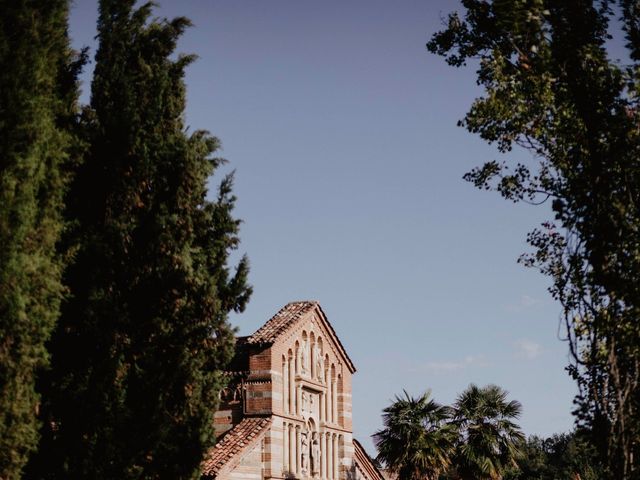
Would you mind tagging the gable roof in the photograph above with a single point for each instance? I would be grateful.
(280, 322)
(286, 318)
(228, 451)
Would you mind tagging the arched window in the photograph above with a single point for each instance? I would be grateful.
(333, 418)
(312, 349)
(291, 395)
(339, 400)
(285, 384)
(303, 355)
(318, 360)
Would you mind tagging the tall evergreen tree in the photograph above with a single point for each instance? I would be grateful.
(37, 109)
(140, 345)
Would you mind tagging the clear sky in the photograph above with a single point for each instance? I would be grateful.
(342, 130)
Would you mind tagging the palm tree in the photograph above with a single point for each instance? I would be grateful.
(488, 439)
(416, 442)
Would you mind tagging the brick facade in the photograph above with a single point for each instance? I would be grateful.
(287, 411)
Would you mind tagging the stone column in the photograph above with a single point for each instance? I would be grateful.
(336, 457)
(285, 447)
(329, 456)
(334, 401)
(292, 386)
(285, 386)
(327, 401)
(291, 466)
(322, 453)
(330, 403)
(312, 360)
(298, 465)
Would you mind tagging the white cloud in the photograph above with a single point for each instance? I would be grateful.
(453, 366)
(525, 302)
(527, 349)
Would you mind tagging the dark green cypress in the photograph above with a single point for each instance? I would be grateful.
(141, 343)
(37, 101)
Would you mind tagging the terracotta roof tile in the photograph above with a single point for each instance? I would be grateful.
(233, 443)
(281, 321)
(284, 319)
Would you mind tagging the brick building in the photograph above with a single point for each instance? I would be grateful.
(287, 410)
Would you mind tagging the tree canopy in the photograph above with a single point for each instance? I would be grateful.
(476, 438)
(561, 456)
(415, 443)
(143, 337)
(551, 87)
(38, 146)
(489, 440)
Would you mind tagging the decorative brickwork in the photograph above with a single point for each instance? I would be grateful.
(287, 410)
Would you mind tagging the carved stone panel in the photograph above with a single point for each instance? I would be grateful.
(310, 404)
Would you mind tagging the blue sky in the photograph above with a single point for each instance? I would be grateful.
(341, 128)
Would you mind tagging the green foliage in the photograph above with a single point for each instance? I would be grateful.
(559, 457)
(488, 440)
(551, 89)
(416, 442)
(475, 439)
(141, 341)
(37, 147)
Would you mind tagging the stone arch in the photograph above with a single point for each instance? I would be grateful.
(291, 393)
(305, 447)
(333, 417)
(295, 401)
(327, 366)
(318, 359)
(312, 349)
(285, 383)
(315, 448)
(339, 399)
(327, 395)
(303, 354)
(290, 464)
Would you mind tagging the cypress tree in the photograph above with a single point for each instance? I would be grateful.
(140, 345)
(37, 113)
